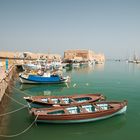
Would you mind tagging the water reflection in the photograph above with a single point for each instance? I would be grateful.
(83, 130)
(43, 89)
(84, 69)
(99, 67)
(133, 68)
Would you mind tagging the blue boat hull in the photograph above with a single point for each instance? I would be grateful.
(40, 79)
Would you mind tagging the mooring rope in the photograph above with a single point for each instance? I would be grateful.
(25, 130)
(16, 88)
(21, 91)
(14, 100)
(11, 112)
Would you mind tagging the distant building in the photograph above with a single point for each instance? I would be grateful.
(99, 57)
(83, 55)
(78, 55)
(30, 55)
(49, 57)
(6, 54)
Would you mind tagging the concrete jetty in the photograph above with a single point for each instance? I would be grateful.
(5, 77)
(5, 83)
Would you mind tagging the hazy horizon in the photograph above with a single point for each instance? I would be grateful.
(104, 26)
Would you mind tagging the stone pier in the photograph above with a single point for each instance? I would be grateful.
(5, 78)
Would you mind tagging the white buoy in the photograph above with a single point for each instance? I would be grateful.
(87, 84)
(74, 85)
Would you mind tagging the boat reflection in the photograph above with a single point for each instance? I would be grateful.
(88, 69)
(133, 68)
(83, 130)
(99, 67)
(43, 89)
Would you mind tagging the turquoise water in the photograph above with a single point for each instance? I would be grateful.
(115, 80)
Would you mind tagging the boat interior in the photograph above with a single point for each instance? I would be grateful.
(66, 100)
(89, 108)
(82, 99)
(57, 101)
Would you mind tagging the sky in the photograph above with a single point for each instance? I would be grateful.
(111, 27)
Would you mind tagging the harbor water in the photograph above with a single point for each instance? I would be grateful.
(116, 80)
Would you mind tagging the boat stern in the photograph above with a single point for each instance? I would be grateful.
(124, 107)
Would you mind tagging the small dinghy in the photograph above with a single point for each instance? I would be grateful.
(86, 112)
(50, 101)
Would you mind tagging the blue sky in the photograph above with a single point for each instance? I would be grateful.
(111, 27)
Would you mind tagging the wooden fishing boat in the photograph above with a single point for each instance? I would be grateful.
(80, 113)
(43, 79)
(50, 101)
